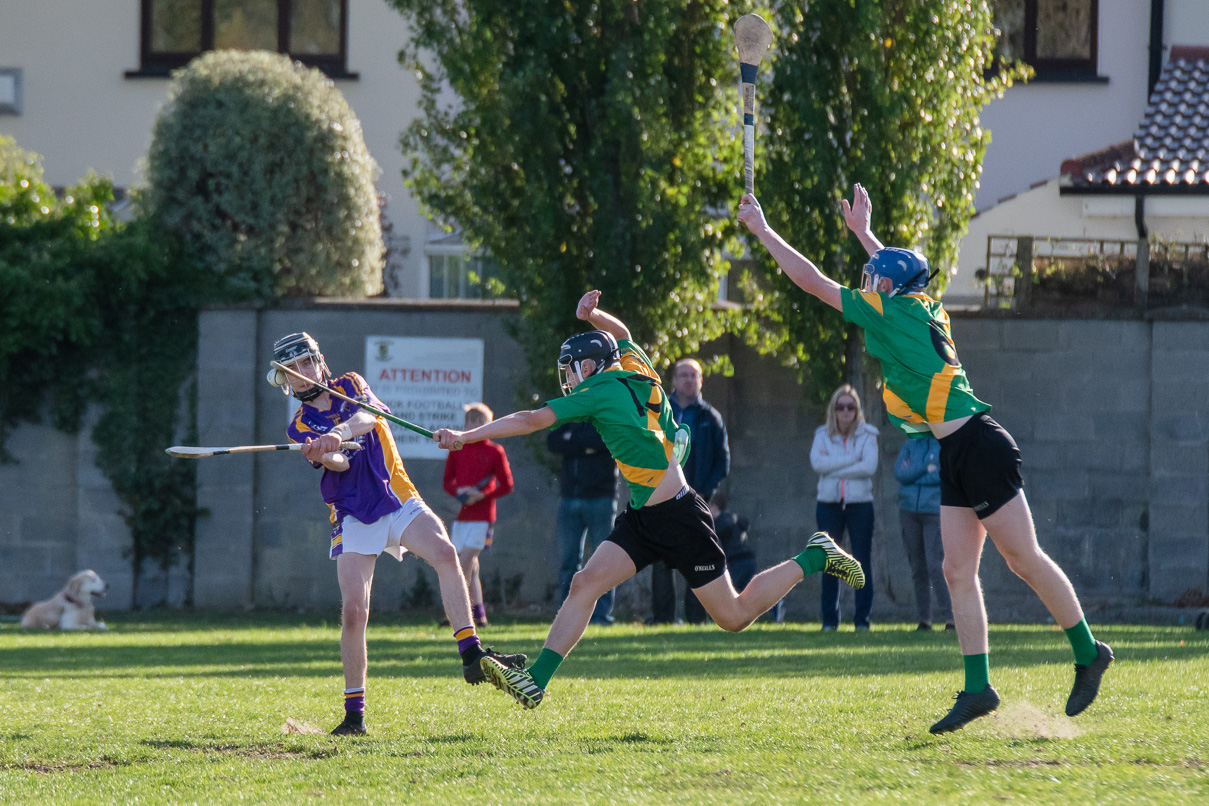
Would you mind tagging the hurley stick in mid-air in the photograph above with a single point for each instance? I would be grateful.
(753, 37)
(188, 452)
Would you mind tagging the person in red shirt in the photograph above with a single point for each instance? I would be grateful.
(476, 476)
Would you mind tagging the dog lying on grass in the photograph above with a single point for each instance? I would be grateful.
(71, 608)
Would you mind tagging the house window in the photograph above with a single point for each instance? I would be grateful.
(314, 32)
(1056, 37)
(453, 275)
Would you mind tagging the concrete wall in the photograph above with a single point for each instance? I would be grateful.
(1112, 419)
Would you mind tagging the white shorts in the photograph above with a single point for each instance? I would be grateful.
(384, 534)
(471, 535)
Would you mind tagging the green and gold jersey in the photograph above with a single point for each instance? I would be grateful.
(924, 381)
(627, 406)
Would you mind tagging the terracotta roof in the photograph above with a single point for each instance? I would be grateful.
(1170, 151)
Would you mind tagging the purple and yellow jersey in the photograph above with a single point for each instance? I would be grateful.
(375, 483)
(925, 382)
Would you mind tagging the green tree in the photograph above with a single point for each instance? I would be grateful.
(97, 311)
(883, 93)
(260, 168)
(590, 144)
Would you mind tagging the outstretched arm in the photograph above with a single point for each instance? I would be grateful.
(803, 273)
(514, 425)
(587, 311)
(858, 217)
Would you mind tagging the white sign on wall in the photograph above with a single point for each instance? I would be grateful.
(426, 382)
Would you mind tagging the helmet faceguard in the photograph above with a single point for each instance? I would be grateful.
(597, 345)
(906, 270)
(299, 352)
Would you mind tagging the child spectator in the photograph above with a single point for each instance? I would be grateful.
(476, 476)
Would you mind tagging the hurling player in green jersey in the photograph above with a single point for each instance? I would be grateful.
(609, 381)
(982, 493)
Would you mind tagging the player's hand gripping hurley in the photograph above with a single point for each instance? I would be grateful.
(376, 412)
(753, 37)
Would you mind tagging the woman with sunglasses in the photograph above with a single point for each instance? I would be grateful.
(844, 454)
(981, 490)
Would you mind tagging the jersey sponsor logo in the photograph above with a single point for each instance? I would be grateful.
(703, 568)
(943, 344)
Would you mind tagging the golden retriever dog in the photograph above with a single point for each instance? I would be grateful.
(70, 608)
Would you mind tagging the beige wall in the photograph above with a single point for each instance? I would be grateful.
(1186, 22)
(1042, 212)
(81, 112)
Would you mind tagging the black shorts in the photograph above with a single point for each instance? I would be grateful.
(979, 466)
(679, 531)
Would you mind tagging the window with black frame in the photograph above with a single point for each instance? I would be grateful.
(173, 32)
(1056, 37)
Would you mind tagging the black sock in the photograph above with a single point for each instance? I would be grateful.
(469, 646)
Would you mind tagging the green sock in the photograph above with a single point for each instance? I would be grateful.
(1082, 642)
(978, 672)
(812, 560)
(544, 667)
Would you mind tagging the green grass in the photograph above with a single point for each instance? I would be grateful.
(167, 709)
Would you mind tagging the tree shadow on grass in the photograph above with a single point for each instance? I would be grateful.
(672, 653)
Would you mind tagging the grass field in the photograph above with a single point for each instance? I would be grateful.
(168, 709)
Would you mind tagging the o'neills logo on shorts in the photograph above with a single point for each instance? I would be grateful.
(703, 568)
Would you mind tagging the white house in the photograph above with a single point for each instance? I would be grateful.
(1116, 98)
(81, 82)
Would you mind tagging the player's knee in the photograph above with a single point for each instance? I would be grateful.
(1024, 564)
(957, 575)
(355, 613)
(444, 555)
(732, 622)
(585, 583)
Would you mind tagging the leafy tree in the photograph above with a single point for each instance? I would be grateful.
(103, 312)
(886, 94)
(260, 167)
(590, 144)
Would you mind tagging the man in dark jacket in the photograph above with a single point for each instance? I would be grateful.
(708, 463)
(586, 505)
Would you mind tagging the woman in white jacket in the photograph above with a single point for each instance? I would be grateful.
(844, 455)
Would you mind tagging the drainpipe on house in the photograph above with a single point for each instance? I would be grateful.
(1142, 271)
(1156, 46)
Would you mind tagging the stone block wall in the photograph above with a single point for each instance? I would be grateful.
(1112, 418)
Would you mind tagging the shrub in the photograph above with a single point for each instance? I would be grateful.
(260, 167)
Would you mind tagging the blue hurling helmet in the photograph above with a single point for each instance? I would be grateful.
(907, 270)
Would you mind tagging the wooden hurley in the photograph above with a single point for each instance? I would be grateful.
(753, 37)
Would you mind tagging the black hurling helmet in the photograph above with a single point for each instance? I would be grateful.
(597, 345)
(293, 349)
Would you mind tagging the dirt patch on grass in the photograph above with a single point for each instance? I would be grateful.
(258, 752)
(51, 767)
(1024, 721)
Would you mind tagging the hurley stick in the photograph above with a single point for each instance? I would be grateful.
(424, 432)
(187, 452)
(753, 37)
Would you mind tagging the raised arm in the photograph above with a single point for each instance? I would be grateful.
(587, 311)
(803, 273)
(514, 425)
(858, 216)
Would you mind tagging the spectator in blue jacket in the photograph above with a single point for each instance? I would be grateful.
(708, 464)
(917, 469)
(586, 504)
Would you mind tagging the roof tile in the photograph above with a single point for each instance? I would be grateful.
(1171, 145)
